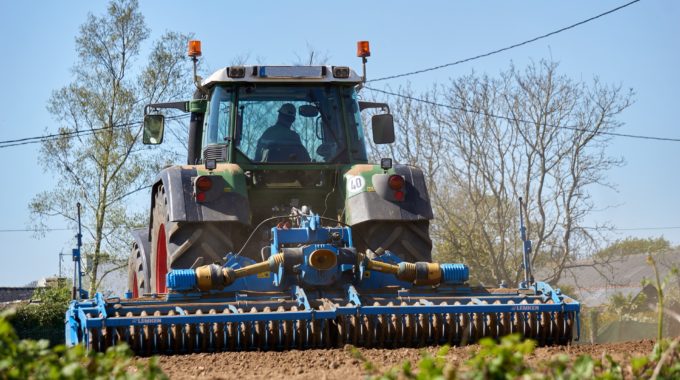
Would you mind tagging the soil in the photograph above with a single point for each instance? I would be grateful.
(343, 364)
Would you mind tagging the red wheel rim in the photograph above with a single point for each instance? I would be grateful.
(135, 286)
(161, 260)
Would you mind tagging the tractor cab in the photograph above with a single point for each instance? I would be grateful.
(315, 123)
(272, 115)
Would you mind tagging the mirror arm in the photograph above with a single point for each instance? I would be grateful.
(365, 105)
(182, 106)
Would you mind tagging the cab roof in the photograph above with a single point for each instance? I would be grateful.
(283, 74)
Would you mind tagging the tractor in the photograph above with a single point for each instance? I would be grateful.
(237, 176)
(278, 233)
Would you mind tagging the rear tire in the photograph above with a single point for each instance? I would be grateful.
(138, 271)
(181, 245)
(410, 240)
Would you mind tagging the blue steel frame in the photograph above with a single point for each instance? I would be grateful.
(90, 316)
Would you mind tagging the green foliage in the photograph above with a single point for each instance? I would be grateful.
(43, 318)
(662, 363)
(501, 361)
(511, 359)
(429, 367)
(625, 306)
(660, 286)
(105, 165)
(29, 359)
(634, 246)
(47, 306)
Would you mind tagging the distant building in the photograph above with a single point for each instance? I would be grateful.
(114, 283)
(15, 294)
(10, 295)
(594, 285)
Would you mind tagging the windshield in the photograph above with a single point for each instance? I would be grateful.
(288, 124)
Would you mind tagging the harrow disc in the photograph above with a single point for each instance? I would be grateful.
(213, 327)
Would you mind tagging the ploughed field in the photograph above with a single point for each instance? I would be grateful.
(340, 363)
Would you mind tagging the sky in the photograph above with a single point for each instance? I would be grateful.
(636, 47)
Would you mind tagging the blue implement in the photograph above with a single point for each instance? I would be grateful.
(315, 290)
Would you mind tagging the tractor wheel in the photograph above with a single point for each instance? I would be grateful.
(138, 271)
(408, 240)
(180, 245)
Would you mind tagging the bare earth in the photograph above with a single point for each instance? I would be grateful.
(340, 363)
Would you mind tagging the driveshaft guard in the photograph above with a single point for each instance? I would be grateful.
(368, 198)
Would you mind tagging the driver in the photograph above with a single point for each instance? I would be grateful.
(279, 143)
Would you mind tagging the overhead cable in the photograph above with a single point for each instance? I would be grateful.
(71, 134)
(507, 47)
(507, 118)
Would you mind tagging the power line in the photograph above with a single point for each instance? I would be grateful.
(75, 132)
(646, 228)
(569, 127)
(590, 228)
(36, 230)
(507, 47)
(71, 134)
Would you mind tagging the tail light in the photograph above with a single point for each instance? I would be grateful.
(396, 182)
(203, 183)
(200, 197)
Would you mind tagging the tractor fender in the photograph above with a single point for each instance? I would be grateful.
(143, 239)
(230, 205)
(370, 199)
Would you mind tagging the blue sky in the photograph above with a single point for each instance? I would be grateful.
(636, 47)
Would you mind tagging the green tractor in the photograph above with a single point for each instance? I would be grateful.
(271, 141)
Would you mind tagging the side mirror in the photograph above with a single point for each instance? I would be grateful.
(153, 129)
(383, 128)
(308, 110)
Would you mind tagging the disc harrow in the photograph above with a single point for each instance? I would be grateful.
(153, 326)
(316, 291)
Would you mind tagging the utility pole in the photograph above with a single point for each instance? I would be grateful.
(77, 292)
(61, 261)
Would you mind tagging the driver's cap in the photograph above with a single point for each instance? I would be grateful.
(287, 109)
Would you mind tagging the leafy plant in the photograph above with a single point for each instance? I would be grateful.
(634, 246)
(29, 359)
(660, 285)
(43, 317)
(510, 359)
(626, 306)
(429, 367)
(501, 361)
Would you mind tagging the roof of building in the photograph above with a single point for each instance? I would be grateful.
(13, 294)
(595, 283)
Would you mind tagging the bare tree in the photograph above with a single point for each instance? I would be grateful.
(98, 159)
(311, 57)
(486, 141)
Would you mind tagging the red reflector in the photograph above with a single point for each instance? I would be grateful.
(399, 195)
(200, 197)
(396, 182)
(203, 183)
